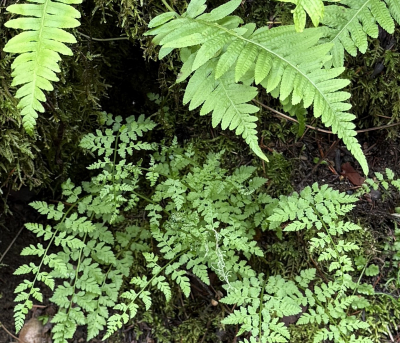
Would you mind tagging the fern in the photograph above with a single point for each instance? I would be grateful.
(264, 302)
(39, 46)
(208, 221)
(287, 63)
(318, 210)
(91, 270)
(348, 24)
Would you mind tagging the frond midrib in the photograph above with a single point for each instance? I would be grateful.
(350, 21)
(234, 106)
(37, 50)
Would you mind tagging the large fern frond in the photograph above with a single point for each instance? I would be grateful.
(287, 63)
(39, 45)
(347, 25)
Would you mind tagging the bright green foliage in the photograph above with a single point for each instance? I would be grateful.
(265, 301)
(348, 24)
(288, 64)
(39, 46)
(213, 214)
(386, 182)
(318, 210)
(208, 221)
(201, 217)
(314, 8)
(91, 270)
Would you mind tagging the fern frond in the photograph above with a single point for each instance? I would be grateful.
(314, 8)
(349, 24)
(39, 45)
(287, 63)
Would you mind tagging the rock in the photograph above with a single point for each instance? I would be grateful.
(31, 332)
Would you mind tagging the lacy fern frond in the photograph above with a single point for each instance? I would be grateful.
(286, 63)
(348, 24)
(318, 210)
(39, 45)
(314, 8)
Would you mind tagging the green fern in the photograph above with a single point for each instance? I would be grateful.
(348, 24)
(39, 46)
(287, 63)
(318, 210)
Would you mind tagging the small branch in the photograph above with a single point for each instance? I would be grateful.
(13, 241)
(102, 39)
(317, 129)
(4, 328)
(378, 127)
(288, 117)
(390, 334)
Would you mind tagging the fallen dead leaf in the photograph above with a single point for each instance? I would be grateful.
(352, 175)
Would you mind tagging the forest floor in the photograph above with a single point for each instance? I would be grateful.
(375, 213)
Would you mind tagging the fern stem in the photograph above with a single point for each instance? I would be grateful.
(150, 201)
(77, 273)
(47, 249)
(261, 306)
(167, 6)
(113, 174)
(359, 279)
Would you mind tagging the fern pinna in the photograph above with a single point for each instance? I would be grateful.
(39, 46)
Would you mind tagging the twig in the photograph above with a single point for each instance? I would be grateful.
(10, 245)
(372, 146)
(102, 39)
(288, 117)
(316, 128)
(4, 328)
(378, 127)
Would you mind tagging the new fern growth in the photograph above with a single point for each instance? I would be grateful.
(39, 47)
(226, 59)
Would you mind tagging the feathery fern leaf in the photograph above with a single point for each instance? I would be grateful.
(39, 46)
(314, 8)
(287, 63)
(349, 24)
